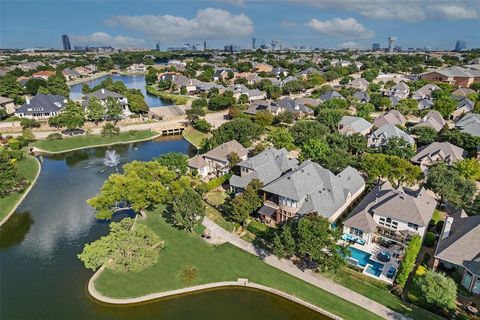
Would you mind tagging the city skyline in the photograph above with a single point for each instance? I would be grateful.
(313, 24)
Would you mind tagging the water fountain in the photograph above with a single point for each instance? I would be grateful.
(111, 160)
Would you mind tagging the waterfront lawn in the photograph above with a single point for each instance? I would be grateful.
(380, 292)
(195, 137)
(213, 264)
(27, 167)
(91, 140)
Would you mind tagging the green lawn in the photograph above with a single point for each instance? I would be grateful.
(28, 167)
(213, 264)
(379, 292)
(194, 136)
(86, 141)
(216, 197)
(217, 217)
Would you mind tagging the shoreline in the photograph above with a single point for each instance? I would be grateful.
(240, 283)
(12, 211)
(93, 77)
(191, 142)
(36, 149)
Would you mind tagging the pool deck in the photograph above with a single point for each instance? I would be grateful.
(374, 249)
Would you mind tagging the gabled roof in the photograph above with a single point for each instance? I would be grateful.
(103, 94)
(425, 91)
(321, 190)
(401, 86)
(222, 152)
(356, 124)
(331, 95)
(461, 245)
(358, 83)
(391, 117)
(362, 96)
(42, 103)
(444, 150)
(433, 119)
(389, 131)
(294, 106)
(470, 123)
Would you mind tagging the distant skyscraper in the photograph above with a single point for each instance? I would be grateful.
(375, 46)
(460, 45)
(391, 42)
(66, 43)
(204, 45)
(157, 46)
(254, 43)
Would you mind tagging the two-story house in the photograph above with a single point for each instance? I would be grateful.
(438, 152)
(310, 188)
(391, 214)
(42, 106)
(380, 137)
(103, 95)
(216, 162)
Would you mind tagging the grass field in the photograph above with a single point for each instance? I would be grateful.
(213, 264)
(86, 141)
(379, 292)
(28, 167)
(195, 137)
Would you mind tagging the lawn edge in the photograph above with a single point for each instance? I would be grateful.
(24, 193)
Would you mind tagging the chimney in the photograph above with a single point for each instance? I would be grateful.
(103, 91)
(27, 100)
(447, 228)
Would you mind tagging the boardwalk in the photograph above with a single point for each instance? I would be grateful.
(308, 276)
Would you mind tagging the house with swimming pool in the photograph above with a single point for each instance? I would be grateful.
(381, 225)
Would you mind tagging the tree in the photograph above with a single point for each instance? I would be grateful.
(233, 159)
(315, 150)
(397, 170)
(460, 139)
(243, 99)
(188, 210)
(450, 186)
(197, 109)
(370, 74)
(305, 130)
(141, 186)
(175, 161)
(151, 76)
(407, 106)
(10, 87)
(72, 117)
(437, 289)
(220, 102)
(469, 168)
(425, 135)
(57, 85)
(113, 109)
(274, 92)
(444, 104)
(284, 117)
(398, 147)
(136, 101)
(264, 118)
(243, 130)
(10, 179)
(95, 110)
(364, 110)
(129, 247)
(330, 117)
(202, 125)
(409, 258)
(110, 130)
(244, 204)
(281, 138)
(32, 85)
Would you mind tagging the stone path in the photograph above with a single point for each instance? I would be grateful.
(308, 276)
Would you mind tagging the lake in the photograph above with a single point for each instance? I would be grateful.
(131, 81)
(42, 278)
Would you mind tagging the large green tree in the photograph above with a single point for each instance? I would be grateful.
(244, 204)
(438, 290)
(95, 111)
(175, 161)
(396, 170)
(281, 138)
(129, 247)
(188, 209)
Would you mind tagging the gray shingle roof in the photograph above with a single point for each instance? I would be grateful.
(356, 124)
(42, 103)
(103, 94)
(462, 246)
(433, 119)
(330, 95)
(389, 131)
(391, 117)
(322, 191)
(222, 152)
(440, 150)
(470, 123)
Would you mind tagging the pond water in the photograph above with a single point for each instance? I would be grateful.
(42, 278)
(131, 81)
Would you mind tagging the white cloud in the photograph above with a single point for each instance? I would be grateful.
(411, 11)
(349, 45)
(348, 28)
(104, 39)
(207, 24)
(288, 23)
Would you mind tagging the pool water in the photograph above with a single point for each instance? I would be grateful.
(363, 258)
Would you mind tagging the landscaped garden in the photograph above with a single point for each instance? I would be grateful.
(186, 251)
(84, 141)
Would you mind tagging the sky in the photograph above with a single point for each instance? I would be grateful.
(313, 23)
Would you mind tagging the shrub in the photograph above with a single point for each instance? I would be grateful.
(408, 261)
(429, 240)
(55, 136)
(202, 125)
(15, 154)
(110, 130)
(14, 144)
(29, 123)
(213, 183)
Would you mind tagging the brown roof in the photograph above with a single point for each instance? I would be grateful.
(222, 152)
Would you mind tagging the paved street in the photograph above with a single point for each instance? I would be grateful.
(308, 276)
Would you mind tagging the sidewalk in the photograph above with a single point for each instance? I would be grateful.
(308, 276)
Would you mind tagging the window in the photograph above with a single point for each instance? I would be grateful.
(413, 226)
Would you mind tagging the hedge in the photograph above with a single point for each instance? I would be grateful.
(214, 183)
(429, 240)
(408, 262)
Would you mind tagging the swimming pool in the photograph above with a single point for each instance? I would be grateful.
(362, 258)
